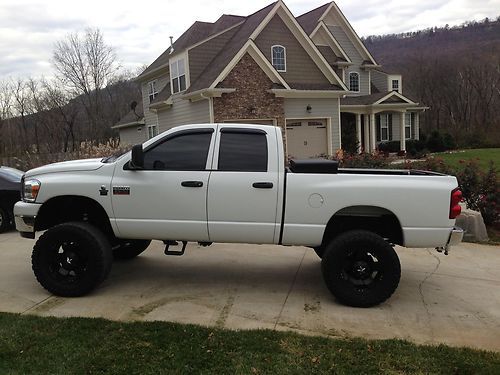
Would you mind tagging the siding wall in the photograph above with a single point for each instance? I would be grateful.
(131, 136)
(300, 68)
(200, 57)
(161, 82)
(183, 112)
(320, 108)
(379, 79)
(351, 51)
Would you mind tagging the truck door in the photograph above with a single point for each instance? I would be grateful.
(168, 198)
(243, 187)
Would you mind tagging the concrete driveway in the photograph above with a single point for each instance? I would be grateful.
(451, 299)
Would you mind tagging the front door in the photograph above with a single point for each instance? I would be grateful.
(167, 199)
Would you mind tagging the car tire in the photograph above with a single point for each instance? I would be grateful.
(4, 220)
(129, 249)
(71, 259)
(360, 268)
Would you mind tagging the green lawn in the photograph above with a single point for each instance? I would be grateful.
(484, 155)
(31, 344)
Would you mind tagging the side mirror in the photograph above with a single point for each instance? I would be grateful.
(137, 161)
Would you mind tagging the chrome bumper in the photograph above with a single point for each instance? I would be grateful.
(456, 236)
(25, 225)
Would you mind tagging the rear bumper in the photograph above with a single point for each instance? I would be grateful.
(456, 236)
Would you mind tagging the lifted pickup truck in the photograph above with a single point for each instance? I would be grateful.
(228, 183)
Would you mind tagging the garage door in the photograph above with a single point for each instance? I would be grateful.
(306, 138)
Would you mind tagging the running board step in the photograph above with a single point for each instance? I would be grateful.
(174, 252)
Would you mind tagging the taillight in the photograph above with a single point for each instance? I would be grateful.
(456, 198)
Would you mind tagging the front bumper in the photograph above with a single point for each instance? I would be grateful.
(24, 217)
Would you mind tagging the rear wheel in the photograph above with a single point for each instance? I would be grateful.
(71, 259)
(360, 268)
(129, 249)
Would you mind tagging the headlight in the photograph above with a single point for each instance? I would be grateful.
(30, 190)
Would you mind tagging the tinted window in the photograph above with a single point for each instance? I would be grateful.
(183, 153)
(243, 152)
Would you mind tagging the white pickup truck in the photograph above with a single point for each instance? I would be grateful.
(228, 183)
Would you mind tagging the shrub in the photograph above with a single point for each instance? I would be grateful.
(481, 190)
(389, 146)
(435, 143)
(364, 160)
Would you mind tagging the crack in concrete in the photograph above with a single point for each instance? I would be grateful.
(290, 290)
(224, 313)
(44, 305)
(421, 292)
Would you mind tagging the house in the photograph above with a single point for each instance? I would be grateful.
(311, 75)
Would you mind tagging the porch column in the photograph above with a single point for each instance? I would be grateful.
(367, 133)
(373, 139)
(358, 132)
(402, 138)
(417, 125)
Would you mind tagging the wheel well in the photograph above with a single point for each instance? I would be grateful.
(73, 208)
(374, 219)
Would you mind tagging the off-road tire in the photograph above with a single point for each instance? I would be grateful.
(84, 248)
(351, 273)
(320, 251)
(129, 249)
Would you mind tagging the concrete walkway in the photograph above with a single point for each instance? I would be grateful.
(451, 299)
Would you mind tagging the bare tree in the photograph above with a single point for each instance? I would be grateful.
(85, 65)
(5, 114)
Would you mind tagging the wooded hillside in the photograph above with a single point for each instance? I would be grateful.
(455, 71)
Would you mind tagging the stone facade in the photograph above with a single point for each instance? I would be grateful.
(252, 99)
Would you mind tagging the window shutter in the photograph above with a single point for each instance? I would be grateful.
(390, 126)
(377, 121)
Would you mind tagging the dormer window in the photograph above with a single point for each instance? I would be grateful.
(354, 81)
(278, 54)
(178, 76)
(153, 92)
(395, 85)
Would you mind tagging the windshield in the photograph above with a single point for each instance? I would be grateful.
(11, 174)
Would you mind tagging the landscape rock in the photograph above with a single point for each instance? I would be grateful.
(473, 225)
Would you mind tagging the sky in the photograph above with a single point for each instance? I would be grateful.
(139, 30)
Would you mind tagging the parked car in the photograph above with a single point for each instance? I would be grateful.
(10, 188)
(228, 183)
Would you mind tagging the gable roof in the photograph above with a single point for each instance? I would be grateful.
(197, 32)
(310, 20)
(219, 67)
(236, 43)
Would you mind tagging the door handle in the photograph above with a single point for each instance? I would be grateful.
(196, 184)
(263, 185)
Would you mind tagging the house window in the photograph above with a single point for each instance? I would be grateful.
(384, 127)
(178, 76)
(409, 118)
(152, 131)
(395, 85)
(354, 81)
(279, 58)
(153, 92)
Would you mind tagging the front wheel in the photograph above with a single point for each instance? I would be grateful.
(71, 259)
(360, 268)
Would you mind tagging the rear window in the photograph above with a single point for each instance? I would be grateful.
(243, 152)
